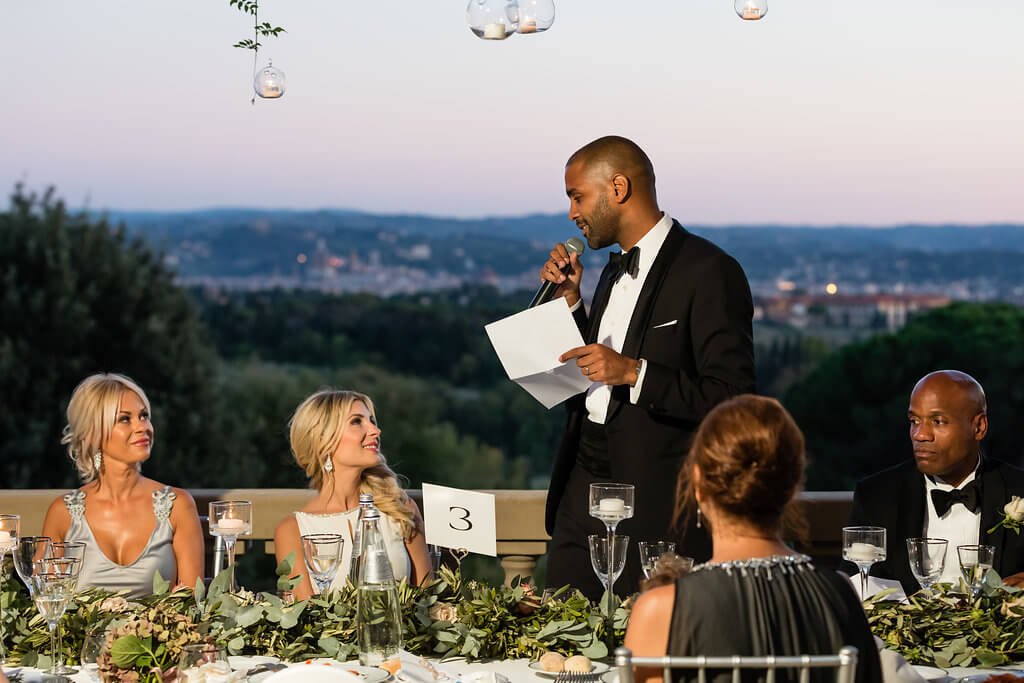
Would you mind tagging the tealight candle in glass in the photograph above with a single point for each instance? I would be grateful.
(230, 519)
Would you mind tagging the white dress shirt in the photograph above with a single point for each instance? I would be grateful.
(959, 525)
(617, 315)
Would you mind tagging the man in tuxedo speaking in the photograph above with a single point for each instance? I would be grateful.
(668, 336)
(949, 490)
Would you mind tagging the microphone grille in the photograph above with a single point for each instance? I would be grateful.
(575, 244)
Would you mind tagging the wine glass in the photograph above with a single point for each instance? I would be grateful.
(51, 593)
(92, 647)
(651, 551)
(975, 561)
(927, 559)
(863, 545)
(69, 568)
(611, 503)
(27, 552)
(203, 661)
(603, 556)
(10, 525)
(230, 519)
(322, 553)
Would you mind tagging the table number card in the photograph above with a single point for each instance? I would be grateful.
(456, 518)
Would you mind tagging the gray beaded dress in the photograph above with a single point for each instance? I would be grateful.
(769, 606)
(99, 571)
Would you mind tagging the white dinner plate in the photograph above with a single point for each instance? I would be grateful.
(313, 674)
(595, 669)
(610, 676)
(245, 662)
(366, 674)
(930, 673)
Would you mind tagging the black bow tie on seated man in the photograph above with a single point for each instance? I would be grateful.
(967, 496)
(625, 263)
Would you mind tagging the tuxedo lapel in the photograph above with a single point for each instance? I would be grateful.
(993, 498)
(909, 525)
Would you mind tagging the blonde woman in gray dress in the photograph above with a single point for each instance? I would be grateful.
(132, 526)
(335, 439)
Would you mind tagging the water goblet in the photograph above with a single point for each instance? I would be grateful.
(230, 519)
(927, 560)
(69, 568)
(864, 546)
(10, 525)
(51, 593)
(203, 662)
(608, 552)
(611, 503)
(322, 553)
(975, 561)
(650, 552)
(27, 552)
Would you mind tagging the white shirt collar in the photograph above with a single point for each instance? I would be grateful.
(931, 482)
(650, 243)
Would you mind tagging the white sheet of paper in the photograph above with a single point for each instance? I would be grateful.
(456, 518)
(876, 585)
(529, 344)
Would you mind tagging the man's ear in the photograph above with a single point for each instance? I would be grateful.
(621, 187)
(980, 424)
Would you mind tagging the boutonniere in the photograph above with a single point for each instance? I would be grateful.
(1013, 516)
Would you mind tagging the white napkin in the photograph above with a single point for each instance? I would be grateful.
(876, 585)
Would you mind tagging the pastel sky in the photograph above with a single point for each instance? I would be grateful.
(857, 112)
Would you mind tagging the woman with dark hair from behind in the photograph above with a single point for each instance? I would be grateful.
(755, 596)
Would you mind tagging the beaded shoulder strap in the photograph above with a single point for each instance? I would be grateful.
(163, 501)
(74, 501)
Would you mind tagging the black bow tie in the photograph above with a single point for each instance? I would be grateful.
(967, 496)
(624, 263)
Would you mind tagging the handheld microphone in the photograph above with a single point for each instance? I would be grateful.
(547, 289)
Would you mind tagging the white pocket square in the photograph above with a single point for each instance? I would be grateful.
(669, 323)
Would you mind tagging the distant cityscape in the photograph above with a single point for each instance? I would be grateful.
(846, 280)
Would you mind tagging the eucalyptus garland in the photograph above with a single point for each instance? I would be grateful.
(947, 628)
(449, 617)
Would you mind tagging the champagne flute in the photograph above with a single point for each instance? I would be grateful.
(10, 525)
(322, 554)
(51, 593)
(864, 546)
(69, 568)
(611, 503)
(975, 561)
(927, 559)
(230, 519)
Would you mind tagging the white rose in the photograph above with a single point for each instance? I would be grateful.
(1015, 509)
(443, 611)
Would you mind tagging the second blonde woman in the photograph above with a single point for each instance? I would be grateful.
(335, 438)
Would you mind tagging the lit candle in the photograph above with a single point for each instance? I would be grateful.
(612, 505)
(494, 31)
(5, 538)
(271, 91)
(751, 12)
(528, 26)
(863, 552)
(230, 524)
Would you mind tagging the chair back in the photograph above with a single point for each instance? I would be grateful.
(845, 664)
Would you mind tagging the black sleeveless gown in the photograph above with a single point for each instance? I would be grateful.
(770, 606)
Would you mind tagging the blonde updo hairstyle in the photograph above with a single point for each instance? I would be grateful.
(314, 432)
(92, 414)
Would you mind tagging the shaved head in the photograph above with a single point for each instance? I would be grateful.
(613, 155)
(963, 388)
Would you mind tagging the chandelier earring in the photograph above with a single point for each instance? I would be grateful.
(328, 466)
(97, 460)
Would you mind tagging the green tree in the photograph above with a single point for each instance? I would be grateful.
(853, 407)
(79, 298)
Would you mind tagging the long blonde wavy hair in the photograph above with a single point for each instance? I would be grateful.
(314, 432)
(92, 414)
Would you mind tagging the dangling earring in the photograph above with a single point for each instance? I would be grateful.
(699, 516)
(97, 460)
(328, 466)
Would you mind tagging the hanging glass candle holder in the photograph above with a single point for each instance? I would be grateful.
(493, 19)
(269, 82)
(751, 10)
(536, 16)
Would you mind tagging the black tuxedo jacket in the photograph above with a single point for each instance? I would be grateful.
(692, 324)
(895, 499)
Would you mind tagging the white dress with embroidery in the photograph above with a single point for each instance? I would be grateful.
(99, 571)
(344, 523)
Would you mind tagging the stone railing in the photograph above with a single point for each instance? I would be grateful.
(519, 515)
